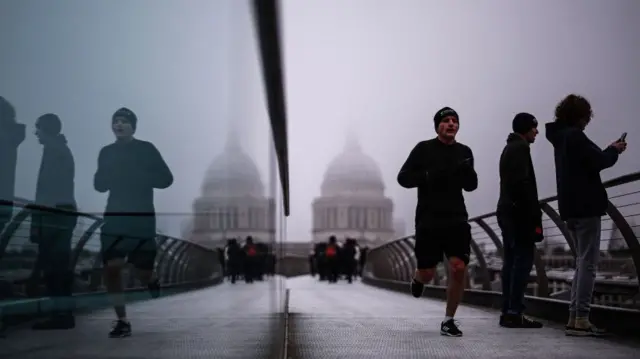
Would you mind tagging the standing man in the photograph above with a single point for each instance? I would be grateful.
(441, 168)
(520, 219)
(582, 199)
(130, 169)
(52, 230)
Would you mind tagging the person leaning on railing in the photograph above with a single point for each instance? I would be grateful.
(582, 199)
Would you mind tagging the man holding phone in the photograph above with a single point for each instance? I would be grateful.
(582, 199)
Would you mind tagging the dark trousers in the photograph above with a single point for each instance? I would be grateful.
(333, 269)
(53, 233)
(516, 265)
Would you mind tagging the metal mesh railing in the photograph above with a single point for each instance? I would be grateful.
(554, 262)
(177, 261)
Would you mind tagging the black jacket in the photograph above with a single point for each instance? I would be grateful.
(440, 172)
(518, 188)
(56, 178)
(579, 162)
(55, 189)
(131, 171)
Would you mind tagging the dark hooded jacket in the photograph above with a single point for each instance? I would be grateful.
(56, 178)
(55, 189)
(579, 162)
(518, 188)
(12, 134)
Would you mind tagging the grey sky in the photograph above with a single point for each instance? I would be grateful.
(189, 69)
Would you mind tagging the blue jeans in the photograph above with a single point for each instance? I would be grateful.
(516, 265)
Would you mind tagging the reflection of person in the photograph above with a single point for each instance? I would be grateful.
(53, 230)
(582, 199)
(129, 170)
(12, 134)
(441, 168)
(520, 219)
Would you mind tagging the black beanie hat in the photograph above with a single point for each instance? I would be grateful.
(442, 113)
(128, 115)
(524, 122)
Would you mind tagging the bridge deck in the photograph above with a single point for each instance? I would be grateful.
(326, 321)
(358, 321)
(218, 322)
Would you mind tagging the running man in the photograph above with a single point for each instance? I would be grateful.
(441, 168)
(129, 169)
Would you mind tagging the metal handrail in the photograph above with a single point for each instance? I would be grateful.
(168, 261)
(385, 263)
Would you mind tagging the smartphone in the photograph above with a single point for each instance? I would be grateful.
(623, 137)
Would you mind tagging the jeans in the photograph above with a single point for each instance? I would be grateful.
(585, 233)
(516, 265)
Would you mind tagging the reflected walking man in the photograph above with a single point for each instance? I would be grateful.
(520, 219)
(130, 170)
(53, 229)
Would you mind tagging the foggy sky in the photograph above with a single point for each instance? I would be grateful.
(189, 70)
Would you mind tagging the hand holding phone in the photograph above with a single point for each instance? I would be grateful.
(620, 145)
(623, 138)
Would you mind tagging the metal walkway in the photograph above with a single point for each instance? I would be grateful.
(223, 321)
(325, 321)
(359, 321)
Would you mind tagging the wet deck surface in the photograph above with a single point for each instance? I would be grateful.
(326, 321)
(359, 321)
(225, 321)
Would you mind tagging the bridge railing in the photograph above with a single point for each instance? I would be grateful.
(616, 296)
(179, 264)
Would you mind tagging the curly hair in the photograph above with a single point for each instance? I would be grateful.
(573, 109)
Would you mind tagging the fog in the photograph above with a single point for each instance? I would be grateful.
(190, 71)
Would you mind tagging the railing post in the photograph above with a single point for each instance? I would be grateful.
(492, 234)
(395, 262)
(162, 265)
(179, 262)
(11, 228)
(406, 260)
(486, 278)
(86, 236)
(541, 273)
(628, 235)
(555, 217)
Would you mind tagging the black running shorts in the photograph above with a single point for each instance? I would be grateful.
(132, 238)
(434, 243)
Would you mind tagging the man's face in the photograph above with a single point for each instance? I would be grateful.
(40, 134)
(122, 128)
(531, 135)
(448, 128)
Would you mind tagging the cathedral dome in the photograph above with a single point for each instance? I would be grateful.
(232, 174)
(352, 172)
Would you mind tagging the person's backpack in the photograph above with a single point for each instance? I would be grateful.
(331, 251)
(251, 251)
